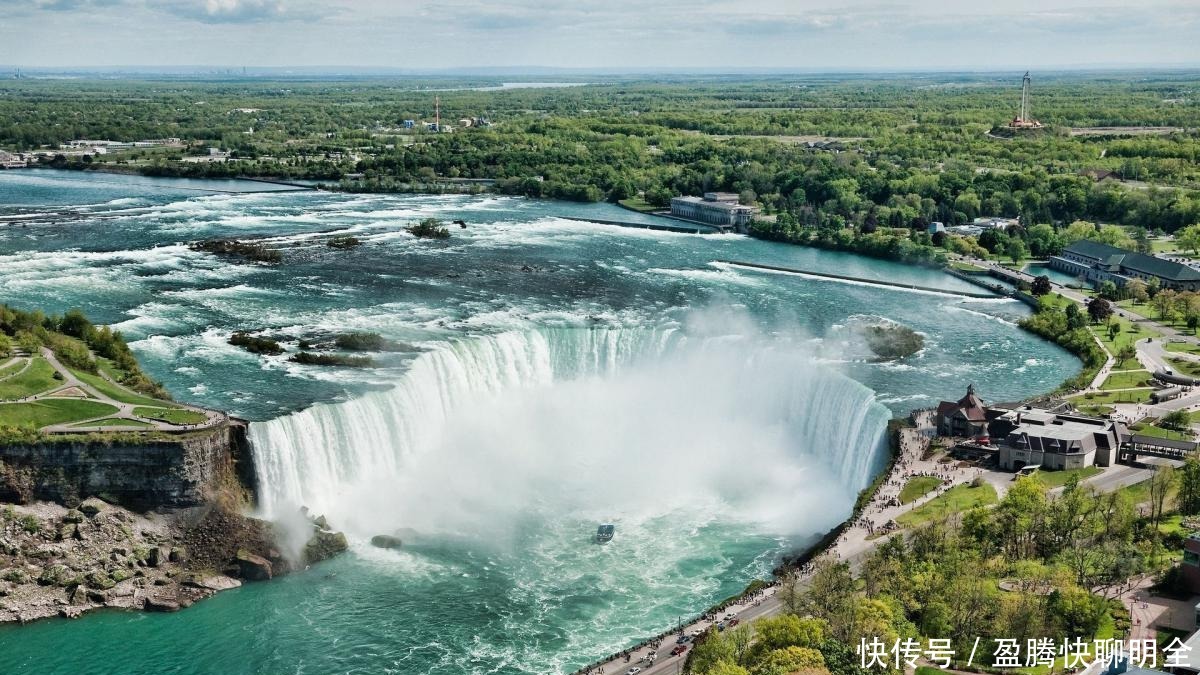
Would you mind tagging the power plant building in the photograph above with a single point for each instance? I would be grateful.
(720, 209)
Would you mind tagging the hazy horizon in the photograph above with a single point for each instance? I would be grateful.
(616, 36)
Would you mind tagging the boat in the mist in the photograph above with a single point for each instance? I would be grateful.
(604, 533)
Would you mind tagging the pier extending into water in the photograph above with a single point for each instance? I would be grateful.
(863, 280)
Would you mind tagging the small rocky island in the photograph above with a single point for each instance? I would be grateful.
(889, 341)
(113, 495)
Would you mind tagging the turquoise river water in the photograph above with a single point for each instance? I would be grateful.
(549, 375)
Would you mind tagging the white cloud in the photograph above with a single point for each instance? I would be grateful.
(604, 33)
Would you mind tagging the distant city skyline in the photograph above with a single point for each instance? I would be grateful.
(612, 35)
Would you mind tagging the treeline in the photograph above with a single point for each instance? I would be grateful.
(892, 152)
(74, 340)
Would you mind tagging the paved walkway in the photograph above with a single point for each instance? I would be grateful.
(71, 388)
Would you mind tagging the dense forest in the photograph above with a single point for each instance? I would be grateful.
(819, 152)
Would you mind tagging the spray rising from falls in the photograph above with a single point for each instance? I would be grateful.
(482, 433)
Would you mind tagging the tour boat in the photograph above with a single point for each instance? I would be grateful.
(604, 533)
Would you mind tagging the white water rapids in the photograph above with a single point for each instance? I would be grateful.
(587, 423)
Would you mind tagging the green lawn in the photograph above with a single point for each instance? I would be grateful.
(638, 204)
(967, 267)
(1127, 380)
(917, 487)
(171, 415)
(955, 500)
(1111, 397)
(1182, 347)
(37, 414)
(1053, 479)
(115, 422)
(1160, 432)
(1139, 493)
(108, 368)
(117, 393)
(1130, 333)
(38, 379)
(12, 368)
(1185, 366)
(1095, 410)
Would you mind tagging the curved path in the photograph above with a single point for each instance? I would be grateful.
(124, 411)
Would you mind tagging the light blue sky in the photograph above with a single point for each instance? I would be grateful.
(613, 34)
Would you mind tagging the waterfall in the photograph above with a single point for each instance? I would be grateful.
(580, 420)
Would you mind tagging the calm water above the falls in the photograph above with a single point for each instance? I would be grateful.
(551, 374)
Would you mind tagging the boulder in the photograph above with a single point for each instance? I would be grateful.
(321, 522)
(159, 604)
(90, 507)
(324, 545)
(100, 580)
(58, 575)
(155, 557)
(177, 554)
(73, 516)
(386, 541)
(253, 567)
(67, 531)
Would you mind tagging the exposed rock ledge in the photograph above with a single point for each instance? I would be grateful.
(56, 561)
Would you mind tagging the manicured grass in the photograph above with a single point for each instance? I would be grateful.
(115, 422)
(108, 368)
(1129, 334)
(12, 368)
(38, 379)
(638, 204)
(955, 500)
(1111, 397)
(1095, 410)
(917, 487)
(1182, 347)
(967, 267)
(1160, 432)
(37, 414)
(1127, 380)
(1185, 366)
(171, 415)
(1053, 479)
(115, 392)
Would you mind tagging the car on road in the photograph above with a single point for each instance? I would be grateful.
(682, 639)
(734, 621)
(633, 671)
(721, 625)
(730, 616)
(679, 649)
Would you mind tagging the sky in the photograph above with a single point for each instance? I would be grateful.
(602, 34)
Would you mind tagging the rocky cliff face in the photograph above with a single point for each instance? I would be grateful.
(117, 522)
(173, 473)
(56, 561)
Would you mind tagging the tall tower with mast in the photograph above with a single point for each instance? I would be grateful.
(1024, 120)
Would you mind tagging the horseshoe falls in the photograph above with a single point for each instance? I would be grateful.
(543, 375)
(592, 423)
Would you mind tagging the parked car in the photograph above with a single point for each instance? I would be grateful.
(679, 649)
(633, 671)
(734, 621)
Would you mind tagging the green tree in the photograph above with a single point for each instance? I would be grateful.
(1189, 238)
(1041, 286)
(1189, 487)
(1099, 309)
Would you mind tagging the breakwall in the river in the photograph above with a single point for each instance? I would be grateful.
(160, 471)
